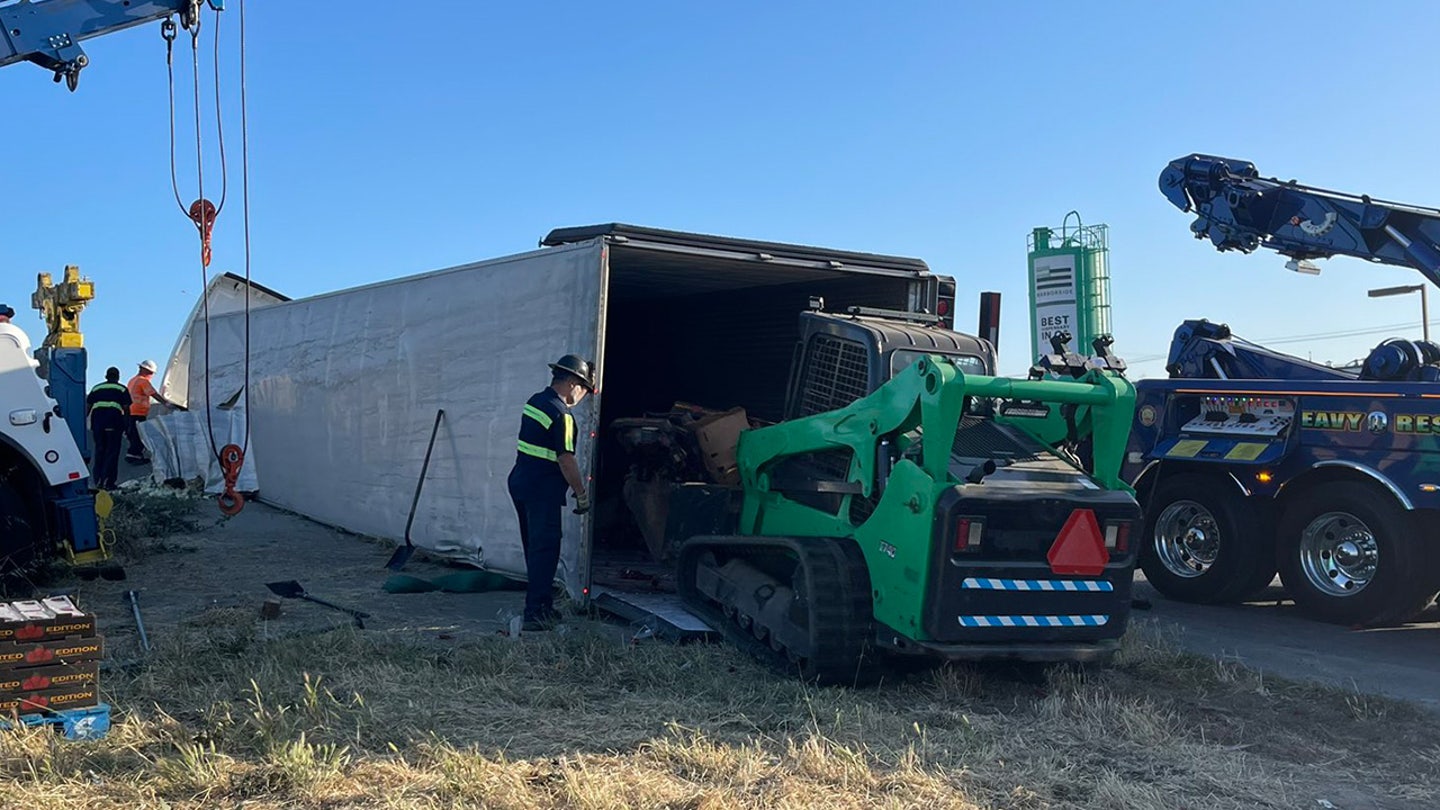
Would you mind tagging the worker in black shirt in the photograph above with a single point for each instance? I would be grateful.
(107, 406)
(545, 467)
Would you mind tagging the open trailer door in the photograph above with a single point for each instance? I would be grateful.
(710, 321)
(344, 388)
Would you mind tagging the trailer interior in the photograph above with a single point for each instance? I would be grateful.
(713, 325)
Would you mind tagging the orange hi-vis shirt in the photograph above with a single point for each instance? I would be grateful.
(140, 393)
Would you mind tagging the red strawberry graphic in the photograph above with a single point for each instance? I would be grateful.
(35, 682)
(37, 701)
(39, 655)
(29, 632)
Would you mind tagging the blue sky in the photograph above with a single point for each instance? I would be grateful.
(389, 139)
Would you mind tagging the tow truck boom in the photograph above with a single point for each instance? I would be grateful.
(48, 32)
(1239, 210)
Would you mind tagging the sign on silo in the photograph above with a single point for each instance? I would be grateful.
(1069, 285)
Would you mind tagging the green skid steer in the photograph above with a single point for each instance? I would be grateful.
(943, 515)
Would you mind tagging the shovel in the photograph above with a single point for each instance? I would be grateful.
(402, 554)
(294, 590)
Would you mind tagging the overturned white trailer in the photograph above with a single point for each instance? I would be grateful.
(185, 445)
(344, 386)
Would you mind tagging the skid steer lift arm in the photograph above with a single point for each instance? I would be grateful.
(48, 32)
(930, 395)
(1236, 209)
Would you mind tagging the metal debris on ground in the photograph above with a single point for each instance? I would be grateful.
(291, 589)
(133, 599)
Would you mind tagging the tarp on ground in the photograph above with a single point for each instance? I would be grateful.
(344, 388)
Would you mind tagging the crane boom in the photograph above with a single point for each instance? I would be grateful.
(1239, 210)
(48, 32)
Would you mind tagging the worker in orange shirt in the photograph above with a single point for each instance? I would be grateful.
(141, 392)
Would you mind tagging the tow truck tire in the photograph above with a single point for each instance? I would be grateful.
(1201, 542)
(1350, 554)
(19, 534)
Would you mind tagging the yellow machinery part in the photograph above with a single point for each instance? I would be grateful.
(60, 305)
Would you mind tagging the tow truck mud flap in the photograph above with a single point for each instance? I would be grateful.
(662, 613)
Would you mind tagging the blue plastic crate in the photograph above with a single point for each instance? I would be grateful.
(76, 724)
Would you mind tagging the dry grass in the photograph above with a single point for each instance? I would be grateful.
(144, 515)
(219, 718)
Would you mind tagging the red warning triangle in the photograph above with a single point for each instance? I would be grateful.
(1080, 546)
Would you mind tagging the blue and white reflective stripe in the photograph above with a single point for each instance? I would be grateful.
(1034, 621)
(1077, 585)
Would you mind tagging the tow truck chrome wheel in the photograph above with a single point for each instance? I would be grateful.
(1187, 540)
(1352, 554)
(1339, 554)
(1204, 543)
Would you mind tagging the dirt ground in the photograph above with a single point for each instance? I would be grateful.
(227, 562)
(431, 707)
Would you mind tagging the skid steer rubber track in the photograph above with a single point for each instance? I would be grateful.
(800, 604)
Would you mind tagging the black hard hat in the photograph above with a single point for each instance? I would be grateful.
(7, 311)
(578, 366)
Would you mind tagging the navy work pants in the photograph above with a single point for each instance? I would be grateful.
(540, 535)
(106, 464)
(132, 430)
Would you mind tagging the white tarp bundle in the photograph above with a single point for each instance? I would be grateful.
(344, 388)
(183, 445)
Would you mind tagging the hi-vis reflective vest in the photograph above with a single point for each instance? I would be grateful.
(104, 388)
(109, 398)
(547, 428)
(141, 390)
(546, 431)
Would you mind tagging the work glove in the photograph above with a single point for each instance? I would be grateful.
(582, 503)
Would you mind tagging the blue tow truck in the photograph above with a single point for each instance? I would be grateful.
(1248, 461)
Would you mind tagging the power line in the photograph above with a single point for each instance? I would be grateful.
(1364, 330)
(1312, 337)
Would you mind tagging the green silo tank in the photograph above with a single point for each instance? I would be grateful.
(1069, 285)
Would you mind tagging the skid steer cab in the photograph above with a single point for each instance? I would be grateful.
(913, 504)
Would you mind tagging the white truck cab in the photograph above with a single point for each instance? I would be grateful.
(44, 484)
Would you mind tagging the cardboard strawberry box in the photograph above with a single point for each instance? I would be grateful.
(65, 697)
(14, 682)
(718, 436)
(15, 654)
(37, 620)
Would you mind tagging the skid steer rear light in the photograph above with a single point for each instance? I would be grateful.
(967, 534)
(1117, 536)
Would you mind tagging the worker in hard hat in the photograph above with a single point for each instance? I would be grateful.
(545, 468)
(108, 406)
(6, 313)
(142, 391)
